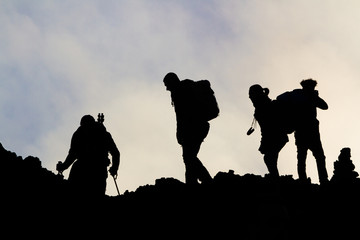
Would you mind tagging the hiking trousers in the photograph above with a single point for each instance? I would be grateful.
(194, 169)
(309, 139)
(190, 137)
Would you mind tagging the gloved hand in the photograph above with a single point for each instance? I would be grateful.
(113, 170)
(60, 167)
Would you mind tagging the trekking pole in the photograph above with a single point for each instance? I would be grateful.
(117, 188)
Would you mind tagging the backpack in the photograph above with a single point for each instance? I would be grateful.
(288, 106)
(207, 106)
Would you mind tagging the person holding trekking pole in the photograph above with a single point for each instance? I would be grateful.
(88, 155)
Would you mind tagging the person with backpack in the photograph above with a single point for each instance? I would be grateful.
(307, 135)
(88, 155)
(273, 134)
(195, 105)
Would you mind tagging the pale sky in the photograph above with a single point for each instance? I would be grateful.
(63, 59)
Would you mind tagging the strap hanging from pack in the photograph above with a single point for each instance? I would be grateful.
(252, 128)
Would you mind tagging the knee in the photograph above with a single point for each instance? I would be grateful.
(319, 155)
(189, 154)
(270, 158)
(187, 157)
(301, 154)
(189, 160)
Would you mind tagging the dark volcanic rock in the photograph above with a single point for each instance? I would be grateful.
(243, 207)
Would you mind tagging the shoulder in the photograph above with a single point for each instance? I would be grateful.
(78, 132)
(187, 82)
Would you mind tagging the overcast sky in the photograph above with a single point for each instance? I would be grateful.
(63, 59)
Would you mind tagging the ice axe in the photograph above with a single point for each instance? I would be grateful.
(101, 118)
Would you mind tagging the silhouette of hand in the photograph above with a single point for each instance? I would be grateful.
(113, 171)
(60, 167)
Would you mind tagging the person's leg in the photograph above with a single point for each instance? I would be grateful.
(192, 137)
(189, 156)
(270, 160)
(301, 141)
(319, 155)
(194, 168)
(301, 164)
(202, 172)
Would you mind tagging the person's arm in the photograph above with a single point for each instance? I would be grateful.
(320, 103)
(115, 155)
(71, 157)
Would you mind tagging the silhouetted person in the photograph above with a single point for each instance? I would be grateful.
(344, 169)
(273, 136)
(192, 124)
(88, 153)
(307, 135)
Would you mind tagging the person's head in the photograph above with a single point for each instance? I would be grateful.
(171, 80)
(308, 84)
(258, 95)
(87, 121)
